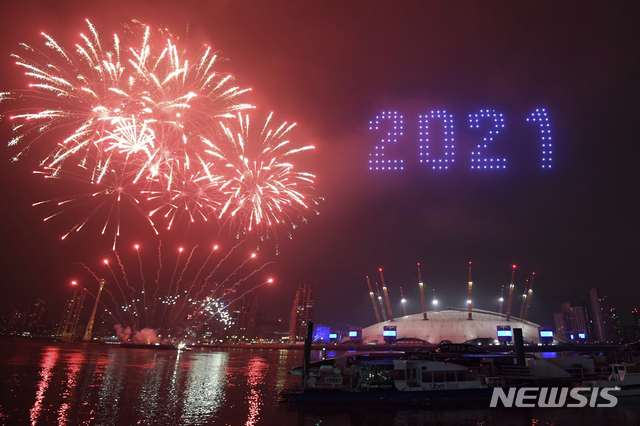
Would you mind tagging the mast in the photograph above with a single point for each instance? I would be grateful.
(526, 312)
(373, 301)
(513, 272)
(384, 314)
(386, 296)
(469, 302)
(404, 302)
(424, 305)
(524, 298)
(501, 298)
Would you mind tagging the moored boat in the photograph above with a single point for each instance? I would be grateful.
(388, 376)
(624, 377)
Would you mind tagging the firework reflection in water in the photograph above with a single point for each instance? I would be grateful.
(171, 301)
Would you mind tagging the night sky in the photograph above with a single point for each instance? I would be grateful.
(332, 67)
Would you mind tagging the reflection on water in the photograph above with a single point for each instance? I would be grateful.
(69, 384)
(74, 364)
(48, 361)
(255, 372)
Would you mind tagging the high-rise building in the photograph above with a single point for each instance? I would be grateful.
(574, 320)
(636, 316)
(602, 318)
(561, 326)
(34, 315)
(301, 312)
(616, 325)
(243, 313)
(580, 320)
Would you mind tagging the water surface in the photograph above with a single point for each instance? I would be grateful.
(72, 384)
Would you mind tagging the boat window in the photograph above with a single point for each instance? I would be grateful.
(438, 376)
(399, 375)
(463, 376)
(427, 377)
(450, 376)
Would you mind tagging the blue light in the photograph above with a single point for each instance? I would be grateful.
(448, 132)
(540, 115)
(390, 137)
(333, 335)
(390, 333)
(353, 334)
(582, 336)
(504, 333)
(546, 334)
(498, 123)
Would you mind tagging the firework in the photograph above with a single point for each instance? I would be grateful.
(176, 296)
(144, 123)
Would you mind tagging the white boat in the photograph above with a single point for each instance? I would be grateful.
(624, 377)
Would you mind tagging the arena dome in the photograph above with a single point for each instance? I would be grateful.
(452, 324)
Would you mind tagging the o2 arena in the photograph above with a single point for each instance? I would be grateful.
(450, 324)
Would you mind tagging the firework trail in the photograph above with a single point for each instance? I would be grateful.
(180, 312)
(149, 126)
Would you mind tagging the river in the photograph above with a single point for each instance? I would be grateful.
(91, 384)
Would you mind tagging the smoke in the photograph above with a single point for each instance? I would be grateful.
(146, 336)
(123, 333)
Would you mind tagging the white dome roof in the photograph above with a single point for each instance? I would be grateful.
(451, 324)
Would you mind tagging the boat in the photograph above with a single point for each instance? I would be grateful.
(388, 376)
(624, 377)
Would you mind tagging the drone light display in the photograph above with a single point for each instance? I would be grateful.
(487, 123)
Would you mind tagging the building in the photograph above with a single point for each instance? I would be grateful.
(602, 318)
(301, 312)
(34, 316)
(561, 323)
(636, 316)
(574, 321)
(274, 331)
(243, 313)
(452, 324)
